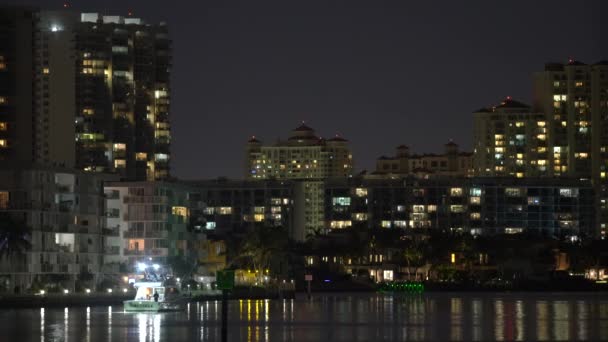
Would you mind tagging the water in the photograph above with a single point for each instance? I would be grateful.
(331, 317)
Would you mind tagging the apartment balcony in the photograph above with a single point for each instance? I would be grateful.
(111, 231)
(111, 250)
(133, 252)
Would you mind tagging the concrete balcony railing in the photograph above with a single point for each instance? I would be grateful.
(111, 250)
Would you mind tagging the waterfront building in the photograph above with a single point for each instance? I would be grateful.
(65, 212)
(483, 205)
(149, 222)
(238, 206)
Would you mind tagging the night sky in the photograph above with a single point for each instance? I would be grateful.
(380, 73)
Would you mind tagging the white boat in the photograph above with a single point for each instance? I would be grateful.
(169, 298)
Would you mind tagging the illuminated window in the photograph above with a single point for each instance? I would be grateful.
(120, 163)
(258, 217)
(385, 224)
(568, 192)
(46, 71)
(456, 192)
(519, 124)
(120, 147)
(341, 201)
(224, 210)
(3, 199)
(361, 192)
(541, 124)
(210, 225)
(533, 200)
(418, 208)
(475, 192)
(180, 211)
(140, 156)
(475, 216)
(400, 224)
(457, 208)
(340, 224)
(513, 192)
(475, 200)
(88, 111)
(3, 100)
(3, 143)
(431, 208)
(3, 126)
(359, 216)
(578, 84)
(519, 175)
(513, 230)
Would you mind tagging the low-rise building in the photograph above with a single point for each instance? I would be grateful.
(552, 207)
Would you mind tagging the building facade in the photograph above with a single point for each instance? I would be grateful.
(564, 134)
(149, 221)
(99, 94)
(451, 163)
(484, 205)
(65, 211)
(510, 140)
(306, 159)
(233, 207)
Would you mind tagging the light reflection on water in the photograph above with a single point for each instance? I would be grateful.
(331, 317)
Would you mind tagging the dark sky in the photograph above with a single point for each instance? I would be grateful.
(381, 73)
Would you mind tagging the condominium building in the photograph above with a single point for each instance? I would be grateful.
(65, 212)
(484, 205)
(303, 155)
(574, 98)
(308, 160)
(94, 90)
(510, 140)
(149, 221)
(451, 163)
(236, 207)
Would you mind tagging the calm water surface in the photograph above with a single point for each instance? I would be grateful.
(331, 317)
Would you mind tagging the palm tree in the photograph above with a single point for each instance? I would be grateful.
(14, 237)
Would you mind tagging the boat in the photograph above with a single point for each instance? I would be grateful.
(169, 298)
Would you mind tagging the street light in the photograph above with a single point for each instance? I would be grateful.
(66, 291)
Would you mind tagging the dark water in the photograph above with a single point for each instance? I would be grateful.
(331, 317)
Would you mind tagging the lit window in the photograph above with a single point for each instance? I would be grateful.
(120, 147)
(180, 211)
(385, 224)
(3, 143)
(46, 71)
(139, 156)
(120, 163)
(513, 192)
(88, 111)
(475, 192)
(359, 216)
(456, 192)
(475, 200)
(3, 100)
(225, 210)
(457, 208)
(568, 192)
(210, 225)
(3, 126)
(3, 199)
(513, 230)
(361, 192)
(475, 216)
(341, 201)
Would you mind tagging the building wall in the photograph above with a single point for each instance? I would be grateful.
(476, 205)
(149, 221)
(65, 211)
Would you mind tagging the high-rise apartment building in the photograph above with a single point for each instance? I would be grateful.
(95, 90)
(308, 160)
(564, 134)
(574, 98)
(510, 140)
